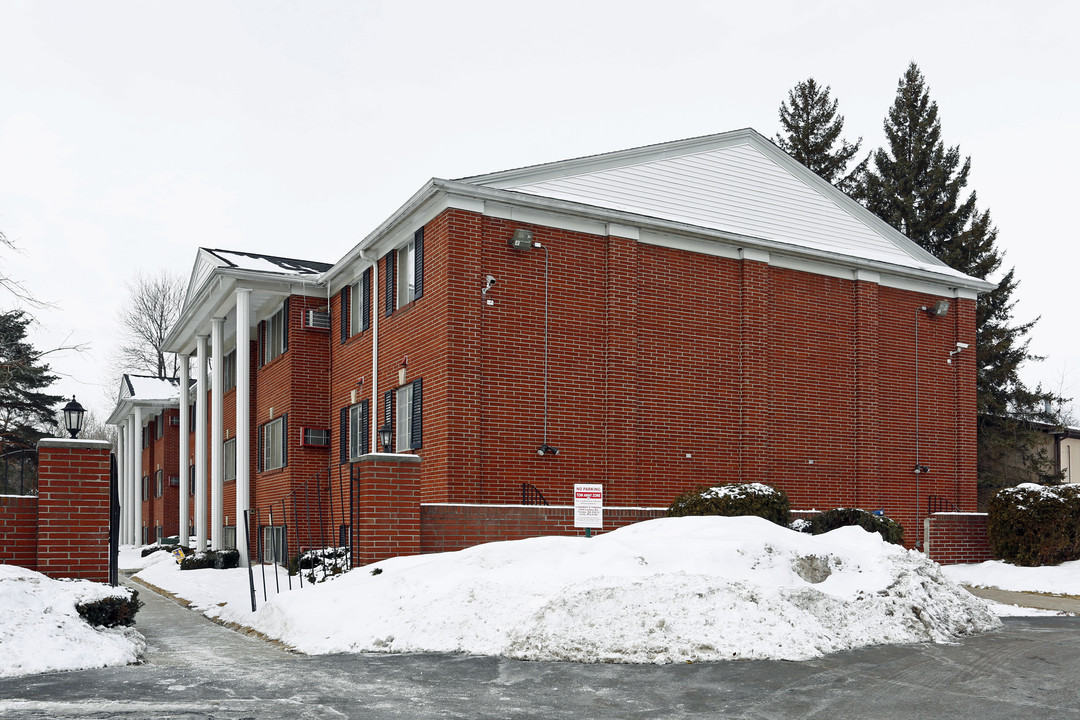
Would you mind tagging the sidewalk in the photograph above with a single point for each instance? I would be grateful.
(1060, 603)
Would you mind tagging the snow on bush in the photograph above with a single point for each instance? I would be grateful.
(41, 631)
(734, 500)
(668, 590)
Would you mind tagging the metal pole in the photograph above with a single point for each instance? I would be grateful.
(251, 575)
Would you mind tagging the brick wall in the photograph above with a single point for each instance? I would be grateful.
(447, 527)
(668, 369)
(73, 509)
(18, 530)
(953, 538)
(389, 524)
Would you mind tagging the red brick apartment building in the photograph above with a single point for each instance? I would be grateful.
(696, 312)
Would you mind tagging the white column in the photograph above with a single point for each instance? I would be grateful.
(138, 474)
(182, 473)
(122, 481)
(243, 417)
(376, 410)
(200, 446)
(133, 476)
(217, 431)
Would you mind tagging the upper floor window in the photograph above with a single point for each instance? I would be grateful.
(405, 273)
(272, 439)
(228, 368)
(360, 304)
(274, 334)
(159, 483)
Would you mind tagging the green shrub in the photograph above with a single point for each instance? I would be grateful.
(151, 549)
(111, 611)
(217, 559)
(735, 499)
(1034, 525)
(889, 530)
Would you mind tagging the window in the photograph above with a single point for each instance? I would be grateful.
(159, 426)
(146, 487)
(228, 536)
(228, 371)
(159, 483)
(191, 479)
(274, 334)
(230, 460)
(359, 431)
(273, 544)
(157, 533)
(405, 273)
(272, 439)
(360, 304)
(408, 416)
(145, 535)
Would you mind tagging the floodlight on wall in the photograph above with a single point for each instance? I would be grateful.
(521, 240)
(938, 309)
(546, 449)
(73, 417)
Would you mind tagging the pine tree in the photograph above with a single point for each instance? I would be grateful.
(27, 412)
(917, 185)
(811, 131)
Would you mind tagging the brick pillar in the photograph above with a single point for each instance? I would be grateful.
(623, 377)
(867, 491)
(754, 362)
(388, 504)
(73, 509)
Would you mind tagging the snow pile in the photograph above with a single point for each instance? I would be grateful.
(40, 630)
(1063, 579)
(667, 590)
(739, 490)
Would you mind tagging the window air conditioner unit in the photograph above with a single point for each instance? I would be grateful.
(315, 437)
(317, 319)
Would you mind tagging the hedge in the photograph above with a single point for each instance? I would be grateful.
(889, 530)
(1033, 525)
(111, 611)
(735, 499)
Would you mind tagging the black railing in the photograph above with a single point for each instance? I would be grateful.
(936, 503)
(530, 495)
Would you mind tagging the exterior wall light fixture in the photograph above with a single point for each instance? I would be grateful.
(522, 239)
(73, 417)
(546, 449)
(384, 437)
(938, 309)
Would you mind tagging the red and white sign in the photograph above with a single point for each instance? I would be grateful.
(588, 506)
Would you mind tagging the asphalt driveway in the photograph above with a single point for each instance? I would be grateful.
(197, 669)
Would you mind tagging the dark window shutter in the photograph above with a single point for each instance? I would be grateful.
(285, 326)
(365, 427)
(388, 414)
(259, 447)
(345, 291)
(417, 414)
(262, 343)
(365, 300)
(418, 264)
(285, 440)
(343, 434)
(390, 281)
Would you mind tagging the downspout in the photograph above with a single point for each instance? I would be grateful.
(375, 407)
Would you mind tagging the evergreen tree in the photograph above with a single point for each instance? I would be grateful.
(811, 130)
(27, 412)
(917, 185)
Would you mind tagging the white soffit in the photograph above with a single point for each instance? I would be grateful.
(732, 186)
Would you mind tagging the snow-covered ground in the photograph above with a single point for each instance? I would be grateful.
(668, 590)
(41, 631)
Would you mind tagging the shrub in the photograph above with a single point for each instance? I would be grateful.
(111, 611)
(1034, 525)
(736, 499)
(217, 559)
(151, 549)
(889, 530)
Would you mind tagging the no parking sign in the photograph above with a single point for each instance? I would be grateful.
(588, 506)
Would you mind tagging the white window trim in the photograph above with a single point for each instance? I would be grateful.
(273, 444)
(406, 274)
(403, 417)
(275, 334)
(356, 439)
(229, 453)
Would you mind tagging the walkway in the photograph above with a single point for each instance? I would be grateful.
(196, 669)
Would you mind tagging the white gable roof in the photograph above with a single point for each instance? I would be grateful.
(736, 183)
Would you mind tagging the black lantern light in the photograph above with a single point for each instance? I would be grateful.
(73, 417)
(384, 437)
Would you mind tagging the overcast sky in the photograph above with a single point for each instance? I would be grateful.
(132, 133)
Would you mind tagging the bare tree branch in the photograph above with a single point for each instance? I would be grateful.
(152, 310)
(13, 286)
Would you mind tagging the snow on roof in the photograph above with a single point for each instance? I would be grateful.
(144, 387)
(738, 183)
(269, 263)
